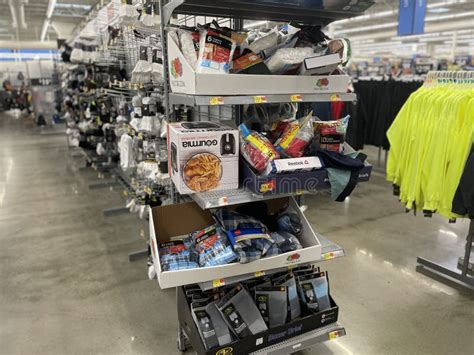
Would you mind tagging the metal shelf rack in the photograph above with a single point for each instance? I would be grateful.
(301, 11)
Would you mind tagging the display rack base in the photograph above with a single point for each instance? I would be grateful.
(108, 212)
(461, 277)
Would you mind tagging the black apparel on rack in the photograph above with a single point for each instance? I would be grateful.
(463, 202)
(355, 134)
(380, 103)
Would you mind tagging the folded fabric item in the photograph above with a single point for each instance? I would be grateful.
(248, 236)
(342, 161)
(211, 246)
(290, 222)
(175, 256)
(285, 242)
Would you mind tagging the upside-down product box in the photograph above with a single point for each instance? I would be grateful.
(185, 80)
(174, 222)
(203, 156)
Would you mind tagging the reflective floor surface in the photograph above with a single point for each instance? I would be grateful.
(66, 286)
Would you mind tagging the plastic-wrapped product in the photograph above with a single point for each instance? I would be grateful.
(294, 308)
(256, 149)
(341, 46)
(240, 313)
(288, 59)
(77, 53)
(269, 40)
(331, 134)
(296, 138)
(142, 72)
(157, 66)
(211, 246)
(272, 302)
(125, 149)
(249, 63)
(148, 17)
(127, 13)
(314, 292)
(175, 256)
(215, 52)
(189, 39)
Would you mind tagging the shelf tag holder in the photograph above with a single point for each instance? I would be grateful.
(260, 99)
(216, 100)
(296, 98)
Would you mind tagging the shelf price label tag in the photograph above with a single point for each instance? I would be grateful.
(216, 100)
(328, 256)
(335, 97)
(260, 99)
(260, 273)
(223, 201)
(333, 335)
(296, 98)
(218, 283)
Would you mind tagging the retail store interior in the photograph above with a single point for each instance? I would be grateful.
(237, 177)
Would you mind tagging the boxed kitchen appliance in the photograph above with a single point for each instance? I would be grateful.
(203, 156)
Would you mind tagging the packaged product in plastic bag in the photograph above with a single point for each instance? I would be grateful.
(211, 246)
(272, 302)
(215, 52)
(288, 60)
(331, 134)
(175, 256)
(267, 41)
(296, 137)
(314, 292)
(189, 38)
(256, 149)
(127, 13)
(341, 46)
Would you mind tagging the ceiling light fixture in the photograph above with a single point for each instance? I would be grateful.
(47, 21)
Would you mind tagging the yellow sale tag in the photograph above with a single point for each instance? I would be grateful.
(223, 201)
(328, 256)
(259, 273)
(260, 99)
(333, 335)
(335, 97)
(216, 100)
(296, 98)
(218, 283)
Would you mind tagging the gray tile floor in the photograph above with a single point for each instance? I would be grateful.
(66, 286)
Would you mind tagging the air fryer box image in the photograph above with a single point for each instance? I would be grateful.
(203, 156)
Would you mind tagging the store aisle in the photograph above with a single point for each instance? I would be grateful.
(67, 287)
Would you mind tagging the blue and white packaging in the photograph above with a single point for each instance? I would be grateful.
(291, 165)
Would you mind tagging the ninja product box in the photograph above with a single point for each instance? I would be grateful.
(203, 156)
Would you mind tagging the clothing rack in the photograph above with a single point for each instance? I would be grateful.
(464, 79)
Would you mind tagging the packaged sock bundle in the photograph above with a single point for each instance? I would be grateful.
(240, 313)
(314, 291)
(157, 66)
(272, 303)
(142, 72)
(77, 53)
(296, 137)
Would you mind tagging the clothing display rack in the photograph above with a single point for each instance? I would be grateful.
(443, 194)
(221, 107)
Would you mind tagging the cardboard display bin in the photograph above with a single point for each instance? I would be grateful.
(177, 221)
(184, 80)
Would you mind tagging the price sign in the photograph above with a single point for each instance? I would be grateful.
(259, 273)
(334, 335)
(260, 99)
(296, 98)
(216, 100)
(218, 283)
(335, 97)
(223, 201)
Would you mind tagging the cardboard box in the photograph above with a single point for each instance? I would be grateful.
(175, 221)
(258, 341)
(296, 182)
(203, 156)
(184, 80)
(320, 65)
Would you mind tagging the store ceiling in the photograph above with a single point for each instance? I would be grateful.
(449, 29)
(23, 20)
